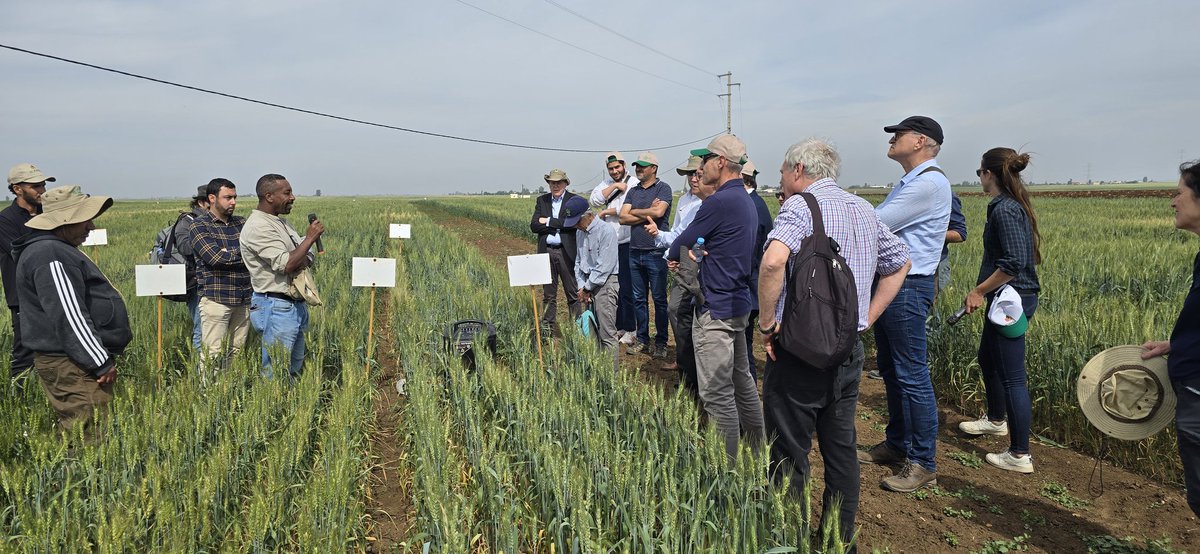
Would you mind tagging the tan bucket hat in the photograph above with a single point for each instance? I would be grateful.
(556, 175)
(692, 165)
(27, 173)
(727, 146)
(1124, 396)
(66, 205)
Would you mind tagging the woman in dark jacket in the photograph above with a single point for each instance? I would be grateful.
(1011, 252)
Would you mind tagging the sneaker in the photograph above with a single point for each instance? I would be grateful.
(983, 426)
(627, 337)
(636, 348)
(1006, 460)
(660, 351)
(911, 477)
(874, 374)
(882, 454)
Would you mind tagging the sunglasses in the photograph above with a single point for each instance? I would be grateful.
(979, 172)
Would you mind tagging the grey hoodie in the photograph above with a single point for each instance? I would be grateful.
(68, 307)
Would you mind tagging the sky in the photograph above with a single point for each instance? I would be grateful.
(1105, 89)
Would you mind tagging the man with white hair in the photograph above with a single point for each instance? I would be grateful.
(725, 222)
(918, 211)
(798, 399)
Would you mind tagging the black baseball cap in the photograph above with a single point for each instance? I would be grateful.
(921, 124)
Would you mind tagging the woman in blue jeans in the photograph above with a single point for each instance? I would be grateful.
(1011, 252)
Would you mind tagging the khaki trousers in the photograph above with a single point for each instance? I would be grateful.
(223, 331)
(74, 394)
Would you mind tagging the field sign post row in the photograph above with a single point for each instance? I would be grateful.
(531, 270)
(373, 273)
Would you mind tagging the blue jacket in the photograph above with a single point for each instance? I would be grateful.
(728, 221)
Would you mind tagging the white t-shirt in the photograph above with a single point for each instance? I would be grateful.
(598, 201)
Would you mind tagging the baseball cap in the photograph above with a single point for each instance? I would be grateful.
(749, 169)
(26, 173)
(921, 124)
(572, 211)
(727, 146)
(693, 164)
(614, 157)
(646, 158)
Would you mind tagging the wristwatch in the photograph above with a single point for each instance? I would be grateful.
(766, 331)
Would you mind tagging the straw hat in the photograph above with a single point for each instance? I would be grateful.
(1124, 396)
(66, 205)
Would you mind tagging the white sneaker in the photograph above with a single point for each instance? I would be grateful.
(1006, 460)
(983, 426)
(627, 337)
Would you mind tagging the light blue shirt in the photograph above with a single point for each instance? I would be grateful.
(683, 218)
(596, 258)
(555, 204)
(684, 200)
(918, 211)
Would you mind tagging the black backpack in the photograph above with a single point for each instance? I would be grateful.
(166, 251)
(820, 315)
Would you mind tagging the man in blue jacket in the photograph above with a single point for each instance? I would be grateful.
(727, 221)
(75, 321)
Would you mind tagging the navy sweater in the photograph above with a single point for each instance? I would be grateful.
(728, 222)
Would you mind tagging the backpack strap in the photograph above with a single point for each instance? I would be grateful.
(170, 243)
(933, 168)
(817, 222)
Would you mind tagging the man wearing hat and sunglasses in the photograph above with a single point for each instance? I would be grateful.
(27, 183)
(558, 241)
(75, 320)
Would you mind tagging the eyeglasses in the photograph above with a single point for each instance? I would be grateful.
(979, 172)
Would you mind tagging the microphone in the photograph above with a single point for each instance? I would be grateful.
(312, 218)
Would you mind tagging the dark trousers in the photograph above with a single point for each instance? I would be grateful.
(685, 355)
(22, 357)
(625, 315)
(561, 270)
(1002, 362)
(752, 334)
(798, 401)
(1187, 427)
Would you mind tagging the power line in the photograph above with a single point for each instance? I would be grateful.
(582, 49)
(630, 39)
(338, 117)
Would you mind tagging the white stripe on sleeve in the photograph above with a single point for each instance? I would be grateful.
(66, 295)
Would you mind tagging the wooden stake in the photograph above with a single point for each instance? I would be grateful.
(537, 324)
(370, 331)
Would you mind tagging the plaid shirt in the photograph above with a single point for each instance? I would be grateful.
(220, 273)
(1008, 244)
(868, 246)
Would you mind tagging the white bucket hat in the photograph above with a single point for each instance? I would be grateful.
(1124, 396)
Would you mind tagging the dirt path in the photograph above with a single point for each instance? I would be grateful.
(392, 513)
(974, 503)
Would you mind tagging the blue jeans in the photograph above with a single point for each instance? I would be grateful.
(625, 318)
(282, 324)
(649, 267)
(193, 305)
(1002, 362)
(903, 363)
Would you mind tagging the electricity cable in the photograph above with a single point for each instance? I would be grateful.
(582, 49)
(342, 118)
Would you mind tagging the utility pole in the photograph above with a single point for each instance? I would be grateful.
(729, 84)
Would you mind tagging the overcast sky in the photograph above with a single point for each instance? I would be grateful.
(1106, 83)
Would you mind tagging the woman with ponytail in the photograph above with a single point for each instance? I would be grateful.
(1011, 252)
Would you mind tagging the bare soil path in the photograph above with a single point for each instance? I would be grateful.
(974, 503)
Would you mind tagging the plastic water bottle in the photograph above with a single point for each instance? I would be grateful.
(698, 249)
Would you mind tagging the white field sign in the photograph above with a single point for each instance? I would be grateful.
(98, 237)
(160, 280)
(400, 231)
(530, 269)
(373, 272)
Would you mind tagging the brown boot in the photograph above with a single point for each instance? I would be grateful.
(910, 478)
(882, 454)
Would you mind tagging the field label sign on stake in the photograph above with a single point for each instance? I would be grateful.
(530, 269)
(400, 231)
(373, 272)
(160, 280)
(98, 237)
